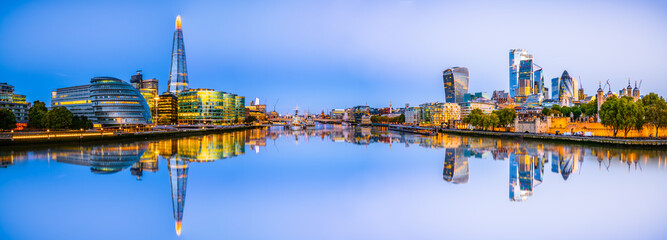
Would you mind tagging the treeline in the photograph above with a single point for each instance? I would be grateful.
(588, 109)
(381, 119)
(57, 118)
(498, 118)
(624, 114)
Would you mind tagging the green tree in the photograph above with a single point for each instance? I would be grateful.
(622, 114)
(7, 119)
(81, 122)
(251, 119)
(505, 116)
(163, 120)
(36, 114)
(590, 108)
(58, 118)
(655, 109)
(475, 118)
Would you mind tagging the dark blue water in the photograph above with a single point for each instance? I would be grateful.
(332, 183)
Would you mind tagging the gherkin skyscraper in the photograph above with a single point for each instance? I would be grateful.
(178, 75)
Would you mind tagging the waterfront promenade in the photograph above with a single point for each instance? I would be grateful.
(26, 138)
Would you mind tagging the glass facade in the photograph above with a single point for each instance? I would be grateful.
(200, 106)
(515, 57)
(555, 88)
(116, 103)
(525, 78)
(167, 106)
(178, 74)
(14, 102)
(456, 81)
(240, 108)
(455, 169)
(76, 99)
(567, 89)
(229, 104)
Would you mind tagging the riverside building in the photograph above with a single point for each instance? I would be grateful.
(167, 108)
(14, 102)
(107, 102)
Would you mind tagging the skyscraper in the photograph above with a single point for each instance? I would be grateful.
(456, 84)
(178, 75)
(516, 56)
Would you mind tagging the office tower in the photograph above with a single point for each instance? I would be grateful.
(200, 106)
(516, 56)
(14, 102)
(239, 104)
(567, 92)
(538, 86)
(149, 90)
(167, 109)
(555, 88)
(136, 80)
(525, 79)
(456, 84)
(178, 74)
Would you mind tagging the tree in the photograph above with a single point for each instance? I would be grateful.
(36, 114)
(250, 119)
(506, 116)
(590, 108)
(163, 120)
(655, 109)
(475, 118)
(81, 122)
(7, 119)
(622, 114)
(58, 118)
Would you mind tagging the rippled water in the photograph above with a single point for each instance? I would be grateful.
(333, 183)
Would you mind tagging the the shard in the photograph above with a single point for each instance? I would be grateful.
(178, 174)
(178, 75)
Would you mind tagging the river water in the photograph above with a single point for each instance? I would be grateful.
(333, 183)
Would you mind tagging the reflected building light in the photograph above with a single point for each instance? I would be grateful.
(178, 175)
(455, 169)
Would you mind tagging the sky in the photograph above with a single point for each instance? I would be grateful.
(320, 55)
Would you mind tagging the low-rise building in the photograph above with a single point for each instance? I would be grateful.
(413, 115)
(467, 107)
(14, 102)
(76, 99)
(451, 112)
(201, 106)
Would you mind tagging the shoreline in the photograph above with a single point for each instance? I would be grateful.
(560, 138)
(84, 140)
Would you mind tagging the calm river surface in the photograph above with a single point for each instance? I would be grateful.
(333, 183)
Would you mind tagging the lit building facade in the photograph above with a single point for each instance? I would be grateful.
(467, 107)
(568, 91)
(178, 74)
(515, 58)
(456, 81)
(167, 106)
(451, 112)
(555, 88)
(116, 103)
(149, 90)
(14, 102)
(200, 106)
(432, 113)
(413, 115)
(455, 169)
(76, 99)
(239, 105)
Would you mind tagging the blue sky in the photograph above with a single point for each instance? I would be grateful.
(331, 54)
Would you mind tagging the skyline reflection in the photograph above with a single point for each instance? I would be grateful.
(526, 159)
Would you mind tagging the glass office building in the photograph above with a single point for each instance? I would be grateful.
(116, 103)
(456, 84)
(229, 106)
(200, 106)
(178, 74)
(515, 57)
(240, 108)
(76, 99)
(525, 79)
(555, 88)
(567, 89)
(167, 107)
(14, 102)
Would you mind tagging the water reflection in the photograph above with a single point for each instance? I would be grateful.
(526, 159)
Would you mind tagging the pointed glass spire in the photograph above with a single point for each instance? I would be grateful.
(178, 75)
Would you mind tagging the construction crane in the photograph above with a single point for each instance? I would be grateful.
(274, 105)
(640, 83)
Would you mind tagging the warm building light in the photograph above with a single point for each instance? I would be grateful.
(178, 22)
